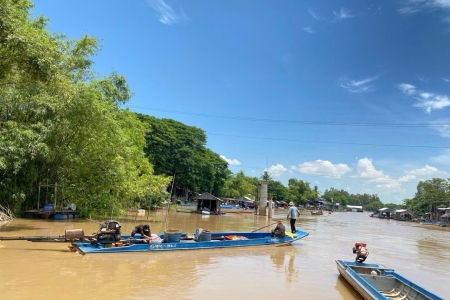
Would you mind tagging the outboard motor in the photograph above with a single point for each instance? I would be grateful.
(361, 252)
(109, 232)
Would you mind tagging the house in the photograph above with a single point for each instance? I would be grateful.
(384, 213)
(403, 215)
(444, 213)
(208, 201)
(354, 208)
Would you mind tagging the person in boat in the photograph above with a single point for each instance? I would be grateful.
(279, 231)
(292, 215)
(143, 230)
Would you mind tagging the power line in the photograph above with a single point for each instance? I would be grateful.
(306, 122)
(337, 143)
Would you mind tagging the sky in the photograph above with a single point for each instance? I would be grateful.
(346, 94)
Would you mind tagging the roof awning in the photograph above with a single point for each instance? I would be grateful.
(445, 216)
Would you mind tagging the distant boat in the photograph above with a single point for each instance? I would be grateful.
(317, 213)
(235, 209)
(375, 281)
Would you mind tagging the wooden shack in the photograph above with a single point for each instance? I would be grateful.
(209, 202)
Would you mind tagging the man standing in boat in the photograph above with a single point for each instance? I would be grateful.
(292, 215)
(279, 231)
(143, 230)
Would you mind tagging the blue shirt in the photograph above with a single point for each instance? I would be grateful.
(293, 212)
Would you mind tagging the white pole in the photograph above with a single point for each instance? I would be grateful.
(263, 198)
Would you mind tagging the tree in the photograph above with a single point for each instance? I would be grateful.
(266, 176)
(278, 191)
(300, 191)
(179, 150)
(429, 195)
(61, 123)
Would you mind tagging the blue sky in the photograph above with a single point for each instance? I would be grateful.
(346, 94)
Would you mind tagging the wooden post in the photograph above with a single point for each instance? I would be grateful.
(55, 195)
(39, 195)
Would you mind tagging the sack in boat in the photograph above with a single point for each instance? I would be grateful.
(156, 239)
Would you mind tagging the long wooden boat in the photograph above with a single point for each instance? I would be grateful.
(216, 240)
(316, 213)
(375, 281)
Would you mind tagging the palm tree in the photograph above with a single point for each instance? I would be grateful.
(265, 176)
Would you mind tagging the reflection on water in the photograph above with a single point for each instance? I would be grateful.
(304, 270)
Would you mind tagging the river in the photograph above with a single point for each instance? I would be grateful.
(305, 270)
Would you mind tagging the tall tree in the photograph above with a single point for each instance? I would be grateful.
(179, 150)
(60, 123)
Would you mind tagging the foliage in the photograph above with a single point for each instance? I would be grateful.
(278, 191)
(430, 194)
(300, 192)
(179, 150)
(61, 124)
(239, 185)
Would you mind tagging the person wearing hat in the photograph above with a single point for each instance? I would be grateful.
(292, 215)
(279, 231)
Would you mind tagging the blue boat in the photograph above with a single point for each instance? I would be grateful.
(375, 281)
(213, 240)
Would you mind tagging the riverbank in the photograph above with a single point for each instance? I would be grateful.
(431, 226)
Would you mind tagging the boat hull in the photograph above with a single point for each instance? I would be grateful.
(375, 281)
(253, 239)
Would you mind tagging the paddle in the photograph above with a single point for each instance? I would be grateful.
(264, 227)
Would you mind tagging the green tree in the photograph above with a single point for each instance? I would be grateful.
(179, 150)
(300, 192)
(60, 123)
(278, 191)
(430, 193)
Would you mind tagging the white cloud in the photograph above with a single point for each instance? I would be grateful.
(276, 171)
(322, 167)
(231, 162)
(443, 158)
(442, 127)
(445, 79)
(425, 100)
(309, 30)
(414, 6)
(166, 13)
(366, 170)
(342, 14)
(427, 171)
(359, 86)
(315, 15)
(408, 10)
(407, 88)
(431, 102)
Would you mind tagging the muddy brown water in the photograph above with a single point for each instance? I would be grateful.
(305, 270)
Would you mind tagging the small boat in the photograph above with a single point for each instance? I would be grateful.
(316, 213)
(235, 209)
(185, 242)
(375, 281)
(189, 208)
